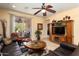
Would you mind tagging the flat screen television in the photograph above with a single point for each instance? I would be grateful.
(59, 30)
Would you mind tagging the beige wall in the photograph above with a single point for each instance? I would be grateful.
(35, 21)
(74, 16)
(5, 14)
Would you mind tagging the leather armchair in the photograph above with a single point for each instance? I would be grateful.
(65, 49)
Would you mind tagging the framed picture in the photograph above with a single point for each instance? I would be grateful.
(39, 26)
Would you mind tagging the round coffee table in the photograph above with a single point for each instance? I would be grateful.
(36, 47)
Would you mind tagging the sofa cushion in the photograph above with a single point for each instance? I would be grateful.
(12, 49)
(70, 47)
(76, 52)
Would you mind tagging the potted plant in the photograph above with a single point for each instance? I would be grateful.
(38, 33)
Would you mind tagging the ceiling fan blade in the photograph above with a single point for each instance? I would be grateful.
(37, 12)
(49, 6)
(50, 10)
(36, 8)
(44, 14)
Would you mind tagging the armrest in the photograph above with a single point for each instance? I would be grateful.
(68, 46)
(76, 52)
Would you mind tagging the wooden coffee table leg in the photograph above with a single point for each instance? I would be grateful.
(30, 51)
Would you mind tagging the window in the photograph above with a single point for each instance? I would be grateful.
(21, 25)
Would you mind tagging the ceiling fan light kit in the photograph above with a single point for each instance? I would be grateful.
(43, 11)
(44, 8)
(13, 6)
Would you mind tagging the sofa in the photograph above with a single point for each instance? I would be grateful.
(1, 45)
(66, 49)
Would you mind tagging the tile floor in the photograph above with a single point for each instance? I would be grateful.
(50, 45)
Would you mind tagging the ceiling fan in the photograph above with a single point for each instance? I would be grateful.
(44, 8)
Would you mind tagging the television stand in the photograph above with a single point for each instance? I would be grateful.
(58, 38)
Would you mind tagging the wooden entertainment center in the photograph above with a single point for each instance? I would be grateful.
(61, 31)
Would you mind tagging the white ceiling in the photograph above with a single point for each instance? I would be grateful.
(27, 7)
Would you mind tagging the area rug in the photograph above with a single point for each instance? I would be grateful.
(44, 53)
(39, 53)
